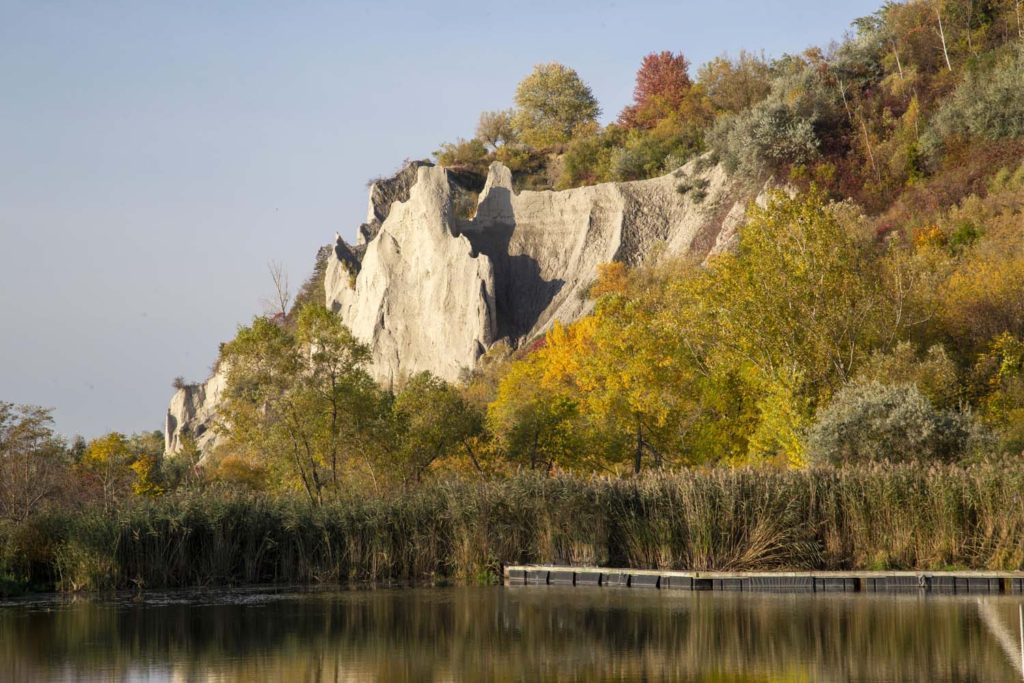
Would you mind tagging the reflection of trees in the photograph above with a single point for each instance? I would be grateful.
(518, 634)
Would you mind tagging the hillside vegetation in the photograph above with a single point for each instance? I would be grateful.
(870, 319)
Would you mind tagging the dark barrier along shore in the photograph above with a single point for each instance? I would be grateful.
(945, 583)
(887, 518)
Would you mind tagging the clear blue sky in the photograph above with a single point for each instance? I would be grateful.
(155, 156)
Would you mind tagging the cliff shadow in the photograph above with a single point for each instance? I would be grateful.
(521, 293)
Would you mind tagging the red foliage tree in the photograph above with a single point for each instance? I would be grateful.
(662, 83)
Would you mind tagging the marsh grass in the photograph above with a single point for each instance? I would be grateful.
(882, 517)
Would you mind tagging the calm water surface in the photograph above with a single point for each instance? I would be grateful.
(511, 634)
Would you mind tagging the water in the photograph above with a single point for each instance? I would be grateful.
(511, 634)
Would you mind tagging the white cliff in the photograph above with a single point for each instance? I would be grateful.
(428, 291)
(193, 413)
(422, 299)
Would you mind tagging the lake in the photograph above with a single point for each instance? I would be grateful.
(510, 634)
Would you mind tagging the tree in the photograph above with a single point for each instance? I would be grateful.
(495, 128)
(793, 313)
(632, 373)
(934, 374)
(434, 421)
(662, 84)
(998, 384)
(121, 466)
(874, 422)
(278, 304)
(551, 103)
(303, 401)
(535, 422)
(735, 85)
(33, 466)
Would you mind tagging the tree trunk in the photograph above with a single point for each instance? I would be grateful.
(639, 446)
(472, 456)
(871, 153)
(942, 35)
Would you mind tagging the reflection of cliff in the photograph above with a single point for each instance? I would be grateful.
(428, 288)
(511, 634)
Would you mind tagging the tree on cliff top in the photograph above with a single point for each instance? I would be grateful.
(496, 128)
(662, 84)
(552, 102)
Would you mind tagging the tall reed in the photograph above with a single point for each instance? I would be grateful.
(895, 517)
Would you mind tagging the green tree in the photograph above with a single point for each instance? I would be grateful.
(551, 104)
(434, 421)
(303, 401)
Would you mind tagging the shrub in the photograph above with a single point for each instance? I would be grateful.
(989, 104)
(874, 422)
(465, 154)
(695, 188)
(764, 140)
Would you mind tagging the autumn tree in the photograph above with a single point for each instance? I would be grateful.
(797, 308)
(733, 85)
(121, 466)
(634, 376)
(662, 84)
(535, 422)
(551, 103)
(33, 465)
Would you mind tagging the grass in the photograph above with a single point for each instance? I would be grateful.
(885, 517)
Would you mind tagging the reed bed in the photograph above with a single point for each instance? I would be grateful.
(884, 517)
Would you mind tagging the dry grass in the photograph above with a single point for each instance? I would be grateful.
(898, 517)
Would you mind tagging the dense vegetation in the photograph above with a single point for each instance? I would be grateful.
(878, 518)
(871, 313)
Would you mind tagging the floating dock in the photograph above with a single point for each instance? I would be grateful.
(945, 583)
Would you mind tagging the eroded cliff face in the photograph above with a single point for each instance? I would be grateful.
(422, 298)
(546, 246)
(429, 291)
(193, 412)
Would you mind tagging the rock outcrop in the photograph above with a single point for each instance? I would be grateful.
(422, 298)
(433, 291)
(192, 413)
(430, 285)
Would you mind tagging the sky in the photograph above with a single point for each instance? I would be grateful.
(155, 157)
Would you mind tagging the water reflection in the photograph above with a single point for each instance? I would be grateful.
(513, 634)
